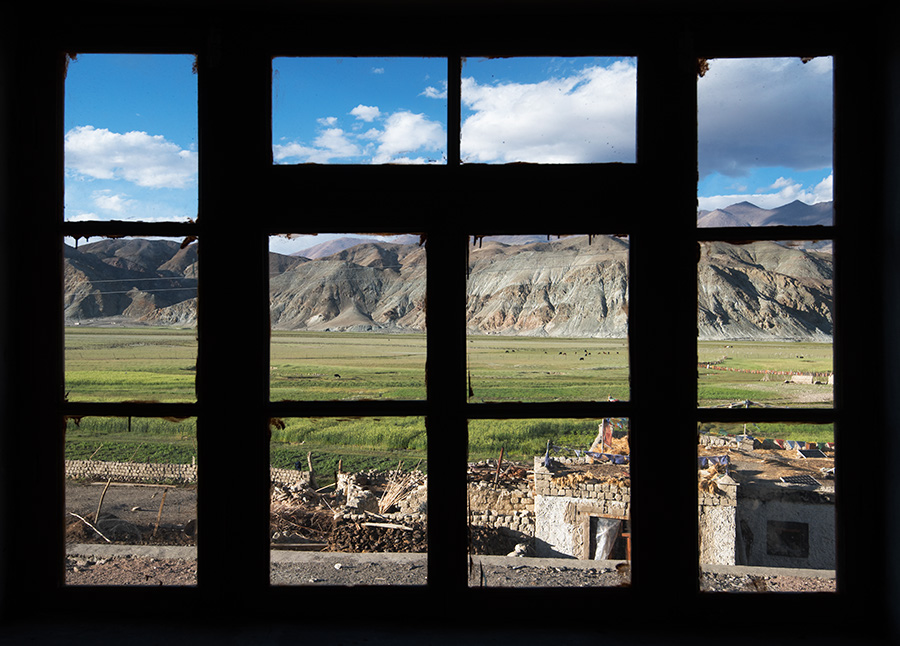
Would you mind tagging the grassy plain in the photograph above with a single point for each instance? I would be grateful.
(346, 365)
(118, 364)
(747, 380)
(533, 369)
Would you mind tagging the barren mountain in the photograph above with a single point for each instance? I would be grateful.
(745, 214)
(371, 286)
(568, 287)
(145, 281)
(764, 290)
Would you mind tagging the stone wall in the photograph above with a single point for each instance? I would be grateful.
(743, 442)
(357, 490)
(157, 473)
(131, 471)
(505, 506)
(717, 516)
(564, 507)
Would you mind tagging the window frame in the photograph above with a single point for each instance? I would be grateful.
(236, 51)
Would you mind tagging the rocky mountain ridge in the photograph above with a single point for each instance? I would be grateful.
(566, 287)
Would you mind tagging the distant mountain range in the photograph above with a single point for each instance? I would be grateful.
(745, 214)
(567, 287)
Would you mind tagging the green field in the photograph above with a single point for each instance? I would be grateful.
(121, 364)
(751, 359)
(327, 366)
(157, 364)
(532, 369)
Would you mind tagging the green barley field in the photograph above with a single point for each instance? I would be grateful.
(158, 364)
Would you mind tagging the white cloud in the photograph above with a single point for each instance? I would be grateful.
(146, 160)
(764, 112)
(367, 113)
(588, 116)
(327, 121)
(112, 202)
(83, 217)
(377, 70)
(433, 93)
(783, 191)
(332, 143)
(404, 139)
(406, 132)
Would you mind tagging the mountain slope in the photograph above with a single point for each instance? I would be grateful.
(568, 287)
(745, 214)
(144, 281)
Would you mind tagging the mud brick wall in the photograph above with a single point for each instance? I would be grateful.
(611, 498)
(505, 505)
(288, 476)
(737, 441)
(157, 473)
(717, 516)
(131, 471)
(353, 486)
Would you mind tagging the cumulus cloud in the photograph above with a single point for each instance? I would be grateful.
(406, 132)
(782, 191)
(111, 202)
(434, 93)
(403, 138)
(330, 144)
(367, 113)
(588, 116)
(146, 160)
(764, 112)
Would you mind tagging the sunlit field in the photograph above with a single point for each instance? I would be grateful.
(756, 371)
(123, 364)
(346, 365)
(156, 364)
(532, 369)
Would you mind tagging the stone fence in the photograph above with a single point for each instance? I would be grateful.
(158, 473)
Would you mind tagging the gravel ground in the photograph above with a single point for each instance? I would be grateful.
(101, 564)
(95, 565)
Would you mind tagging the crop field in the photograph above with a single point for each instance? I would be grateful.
(737, 372)
(531, 369)
(118, 364)
(327, 366)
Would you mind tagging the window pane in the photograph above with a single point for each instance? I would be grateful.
(130, 318)
(345, 491)
(765, 323)
(765, 142)
(359, 111)
(130, 138)
(131, 501)
(547, 320)
(549, 503)
(348, 317)
(549, 110)
(766, 505)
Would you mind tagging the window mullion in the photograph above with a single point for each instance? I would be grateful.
(663, 350)
(232, 352)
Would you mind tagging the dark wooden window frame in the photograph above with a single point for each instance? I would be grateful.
(244, 197)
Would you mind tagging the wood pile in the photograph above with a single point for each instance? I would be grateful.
(398, 488)
(571, 480)
(488, 473)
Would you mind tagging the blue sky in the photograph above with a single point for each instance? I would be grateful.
(131, 123)
(131, 138)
